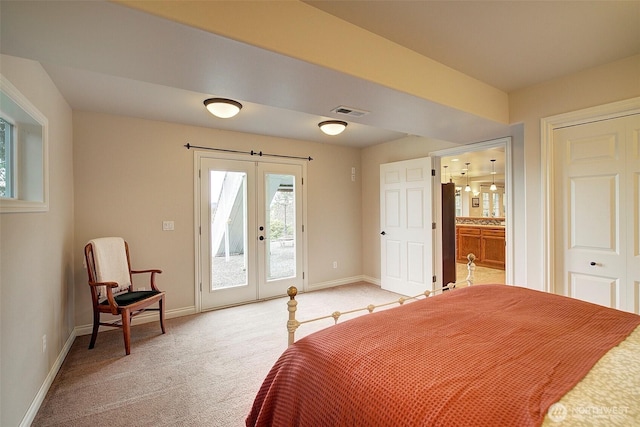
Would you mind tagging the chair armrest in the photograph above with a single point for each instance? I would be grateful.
(112, 302)
(146, 271)
(152, 279)
(107, 284)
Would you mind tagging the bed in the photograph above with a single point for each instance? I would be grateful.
(485, 355)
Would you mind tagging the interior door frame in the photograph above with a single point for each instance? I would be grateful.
(547, 127)
(198, 155)
(436, 156)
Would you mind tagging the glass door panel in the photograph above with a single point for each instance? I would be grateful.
(228, 229)
(280, 210)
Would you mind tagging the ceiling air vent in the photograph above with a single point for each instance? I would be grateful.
(348, 111)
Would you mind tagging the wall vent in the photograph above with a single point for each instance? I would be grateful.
(348, 111)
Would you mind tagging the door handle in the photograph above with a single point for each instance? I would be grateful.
(593, 263)
(383, 233)
(261, 237)
(261, 228)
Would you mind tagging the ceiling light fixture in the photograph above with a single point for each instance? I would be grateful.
(468, 187)
(493, 172)
(332, 127)
(222, 107)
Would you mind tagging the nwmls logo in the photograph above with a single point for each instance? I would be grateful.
(557, 412)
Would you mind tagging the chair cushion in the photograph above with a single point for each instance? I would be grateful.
(128, 298)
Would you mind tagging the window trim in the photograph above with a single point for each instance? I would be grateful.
(40, 202)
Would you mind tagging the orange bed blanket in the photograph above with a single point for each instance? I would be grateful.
(486, 355)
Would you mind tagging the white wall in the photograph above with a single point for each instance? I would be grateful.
(36, 258)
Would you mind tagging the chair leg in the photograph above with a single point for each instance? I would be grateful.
(96, 325)
(161, 306)
(126, 330)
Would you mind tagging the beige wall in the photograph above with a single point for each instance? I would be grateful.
(128, 175)
(36, 258)
(132, 174)
(616, 81)
(613, 82)
(411, 147)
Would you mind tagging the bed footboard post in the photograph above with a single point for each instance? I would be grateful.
(292, 323)
(471, 266)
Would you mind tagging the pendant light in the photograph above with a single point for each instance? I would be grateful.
(468, 187)
(493, 172)
(222, 107)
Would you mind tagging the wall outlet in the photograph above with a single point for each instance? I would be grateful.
(167, 225)
(335, 264)
(44, 343)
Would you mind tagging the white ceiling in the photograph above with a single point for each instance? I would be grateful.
(108, 58)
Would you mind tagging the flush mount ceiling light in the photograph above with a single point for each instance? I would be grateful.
(332, 127)
(222, 107)
(493, 172)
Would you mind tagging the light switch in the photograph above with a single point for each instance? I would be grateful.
(167, 225)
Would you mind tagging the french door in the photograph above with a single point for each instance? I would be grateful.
(250, 231)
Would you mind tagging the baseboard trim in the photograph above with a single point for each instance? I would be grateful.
(42, 393)
(332, 283)
(143, 318)
(372, 280)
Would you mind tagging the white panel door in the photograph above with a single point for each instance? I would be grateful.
(597, 212)
(633, 212)
(406, 232)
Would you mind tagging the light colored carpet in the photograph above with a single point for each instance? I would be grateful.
(205, 371)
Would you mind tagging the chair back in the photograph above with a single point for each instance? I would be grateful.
(108, 261)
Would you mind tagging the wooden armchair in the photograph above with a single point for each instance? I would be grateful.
(110, 280)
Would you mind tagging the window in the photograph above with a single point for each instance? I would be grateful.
(23, 153)
(493, 202)
(6, 158)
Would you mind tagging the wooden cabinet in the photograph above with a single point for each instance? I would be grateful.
(486, 243)
(468, 241)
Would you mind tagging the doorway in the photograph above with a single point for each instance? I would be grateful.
(483, 209)
(249, 230)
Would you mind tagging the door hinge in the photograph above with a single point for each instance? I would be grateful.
(200, 230)
(200, 286)
(433, 172)
(199, 173)
(303, 275)
(303, 228)
(433, 225)
(434, 279)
